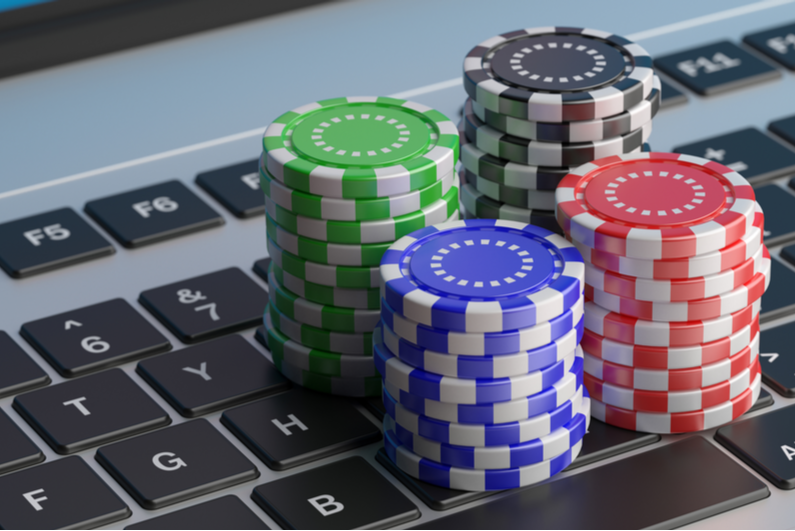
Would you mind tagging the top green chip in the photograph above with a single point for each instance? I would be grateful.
(364, 147)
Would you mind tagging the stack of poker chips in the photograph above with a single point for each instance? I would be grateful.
(343, 179)
(543, 101)
(675, 271)
(479, 351)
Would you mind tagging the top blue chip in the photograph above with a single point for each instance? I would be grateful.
(482, 275)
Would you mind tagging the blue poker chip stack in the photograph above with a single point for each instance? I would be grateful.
(478, 348)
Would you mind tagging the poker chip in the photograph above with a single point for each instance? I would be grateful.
(701, 309)
(480, 366)
(553, 74)
(676, 290)
(498, 413)
(361, 147)
(356, 344)
(672, 380)
(579, 131)
(484, 343)
(670, 358)
(482, 276)
(364, 255)
(474, 480)
(518, 197)
(325, 275)
(353, 387)
(682, 268)
(539, 153)
(318, 315)
(665, 334)
(679, 422)
(478, 206)
(333, 208)
(493, 457)
(359, 232)
(672, 401)
(466, 391)
(364, 299)
(655, 205)
(285, 350)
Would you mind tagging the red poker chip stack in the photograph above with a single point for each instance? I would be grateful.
(675, 272)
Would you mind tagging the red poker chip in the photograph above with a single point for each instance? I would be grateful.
(682, 268)
(700, 310)
(679, 290)
(632, 330)
(669, 358)
(673, 380)
(655, 205)
(679, 422)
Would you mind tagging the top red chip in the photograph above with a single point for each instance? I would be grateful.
(655, 205)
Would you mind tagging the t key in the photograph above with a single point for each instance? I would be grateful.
(176, 464)
(49, 241)
(236, 187)
(64, 494)
(153, 214)
(94, 338)
(208, 306)
(93, 410)
(212, 376)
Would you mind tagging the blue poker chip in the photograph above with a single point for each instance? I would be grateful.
(481, 366)
(474, 480)
(483, 343)
(464, 391)
(499, 413)
(477, 435)
(482, 275)
(527, 453)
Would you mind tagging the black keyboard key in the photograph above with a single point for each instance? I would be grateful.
(749, 151)
(49, 241)
(348, 494)
(64, 494)
(765, 400)
(261, 268)
(779, 299)
(670, 95)
(16, 449)
(715, 68)
(667, 487)
(236, 187)
(18, 372)
(212, 376)
(374, 404)
(300, 426)
(93, 338)
(785, 128)
(778, 205)
(90, 411)
(777, 359)
(437, 498)
(153, 214)
(767, 443)
(776, 43)
(176, 464)
(224, 513)
(604, 441)
(208, 306)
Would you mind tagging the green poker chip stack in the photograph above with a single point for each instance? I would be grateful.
(343, 180)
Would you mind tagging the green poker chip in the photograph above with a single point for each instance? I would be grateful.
(331, 208)
(313, 360)
(318, 315)
(356, 344)
(325, 275)
(362, 232)
(362, 299)
(364, 255)
(362, 147)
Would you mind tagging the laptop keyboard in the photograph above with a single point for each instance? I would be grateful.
(133, 391)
